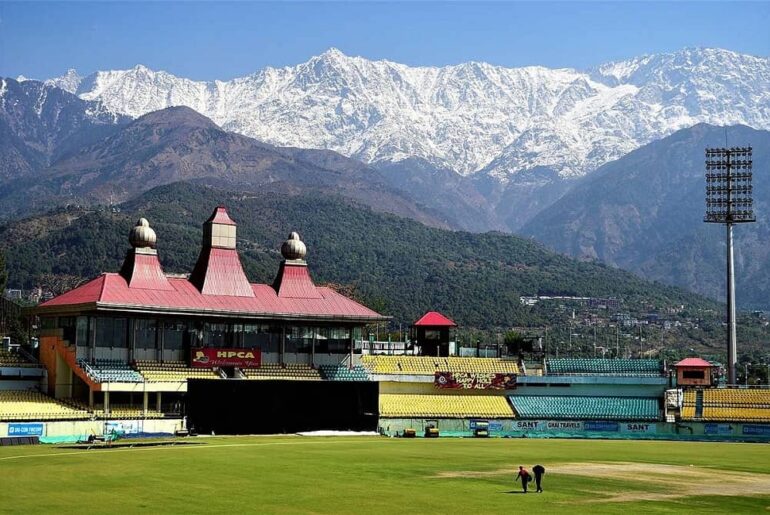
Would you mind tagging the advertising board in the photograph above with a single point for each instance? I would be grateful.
(547, 425)
(25, 429)
(474, 381)
(717, 429)
(602, 426)
(123, 427)
(756, 430)
(210, 357)
(638, 427)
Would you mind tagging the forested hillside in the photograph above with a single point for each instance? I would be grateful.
(644, 213)
(398, 266)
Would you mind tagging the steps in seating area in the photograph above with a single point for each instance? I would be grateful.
(19, 405)
(110, 371)
(292, 371)
(699, 404)
(343, 373)
(584, 407)
(429, 365)
(444, 406)
(172, 371)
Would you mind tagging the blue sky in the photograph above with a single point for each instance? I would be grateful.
(225, 40)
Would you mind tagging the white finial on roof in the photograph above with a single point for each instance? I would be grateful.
(293, 249)
(142, 235)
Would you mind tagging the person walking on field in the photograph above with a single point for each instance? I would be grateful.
(539, 471)
(525, 478)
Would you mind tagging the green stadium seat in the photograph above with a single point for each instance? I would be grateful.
(111, 371)
(343, 373)
(585, 407)
(610, 367)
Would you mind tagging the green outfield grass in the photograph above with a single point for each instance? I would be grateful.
(368, 475)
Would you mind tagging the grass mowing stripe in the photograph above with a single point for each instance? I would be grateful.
(86, 452)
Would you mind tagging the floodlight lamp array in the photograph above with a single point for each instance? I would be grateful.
(734, 151)
(728, 185)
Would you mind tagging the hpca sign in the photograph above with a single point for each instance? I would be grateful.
(209, 357)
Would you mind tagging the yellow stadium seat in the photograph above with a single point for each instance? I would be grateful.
(444, 406)
(33, 405)
(729, 405)
(293, 371)
(428, 365)
(172, 371)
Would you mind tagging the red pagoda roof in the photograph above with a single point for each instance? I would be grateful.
(144, 271)
(434, 319)
(220, 216)
(219, 272)
(111, 291)
(693, 362)
(217, 285)
(294, 282)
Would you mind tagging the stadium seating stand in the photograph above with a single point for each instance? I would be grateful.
(584, 407)
(444, 406)
(20, 405)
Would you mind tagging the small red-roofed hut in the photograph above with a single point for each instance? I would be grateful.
(432, 334)
(693, 372)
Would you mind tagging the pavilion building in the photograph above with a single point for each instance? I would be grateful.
(142, 318)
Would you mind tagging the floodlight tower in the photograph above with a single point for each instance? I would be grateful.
(729, 201)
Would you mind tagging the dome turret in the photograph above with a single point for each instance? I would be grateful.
(142, 235)
(293, 248)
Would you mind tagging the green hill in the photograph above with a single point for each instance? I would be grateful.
(644, 213)
(396, 265)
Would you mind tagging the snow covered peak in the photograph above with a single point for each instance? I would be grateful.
(69, 82)
(688, 61)
(140, 90)
(333, 53)
(471, 117)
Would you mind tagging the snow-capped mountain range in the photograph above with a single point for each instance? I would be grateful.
(472, 117)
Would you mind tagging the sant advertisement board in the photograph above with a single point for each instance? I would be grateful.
(210, 357)
(580, 426)
(638, 427)
(474, 381)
